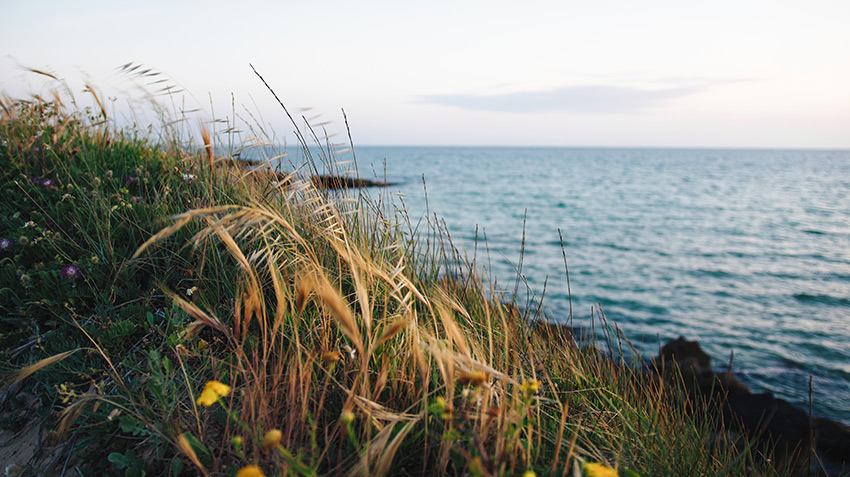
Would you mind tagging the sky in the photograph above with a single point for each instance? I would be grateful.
(655, 73)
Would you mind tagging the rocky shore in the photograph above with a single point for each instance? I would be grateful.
(793, 434)
(788, 432)
(320, 181)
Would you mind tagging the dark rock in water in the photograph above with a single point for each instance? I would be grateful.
(688, 355)
(833, 439)
(769, 418)
(340, 182)
(727, 383)
(772, 421)
(686, 358)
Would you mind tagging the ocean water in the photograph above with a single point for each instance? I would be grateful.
(742, 250)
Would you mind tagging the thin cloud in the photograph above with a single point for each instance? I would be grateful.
(571, 99)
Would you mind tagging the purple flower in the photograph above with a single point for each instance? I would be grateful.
(138, 199)
(71, 272)
(48, 183)
(130, 180)
(6, 244)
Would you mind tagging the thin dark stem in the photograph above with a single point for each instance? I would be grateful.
(291, 119)
(521, 256)
(567, 268)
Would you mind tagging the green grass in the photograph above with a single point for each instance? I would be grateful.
(147, 269)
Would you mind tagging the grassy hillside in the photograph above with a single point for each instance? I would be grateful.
(164, 311)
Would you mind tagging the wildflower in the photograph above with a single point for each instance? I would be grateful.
(29, 223)
(96, 182)
(25, 279)
(236, 441)
(23, 241)
(94, 259)
(188, 177)
(347, 417)
(191, 291)
(138, 199)
(5, 244)
(48, 183)
(443, 408)
(212, 391)
(71, 273)
(529, 473)
(595, 469)
(250, 471)
(530, 386)
(202, 344)
(272, 439)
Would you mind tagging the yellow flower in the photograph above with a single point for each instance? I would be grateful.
(529, 473)
(594, 469)
(443, 408)
(347, 417)
(208, 397)
(250, 471)
(272, 438)
(530, 387)
(220, 388)
(212, 391)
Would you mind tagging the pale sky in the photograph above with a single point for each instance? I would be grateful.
(591, 73)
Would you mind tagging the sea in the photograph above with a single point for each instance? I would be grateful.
(746, 251)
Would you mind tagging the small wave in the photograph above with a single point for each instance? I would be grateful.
(630, 305)
(614, 246)
(822, 299)
(815, 232)
(712, 273)
(781, 275)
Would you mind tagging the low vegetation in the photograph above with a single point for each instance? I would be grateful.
(166, 311)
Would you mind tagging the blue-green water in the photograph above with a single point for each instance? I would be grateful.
(742, 250)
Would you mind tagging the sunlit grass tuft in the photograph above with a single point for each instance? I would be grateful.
(323, 337)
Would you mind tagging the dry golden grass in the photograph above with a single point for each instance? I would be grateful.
(367, 353)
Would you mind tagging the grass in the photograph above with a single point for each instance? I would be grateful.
(174, 314)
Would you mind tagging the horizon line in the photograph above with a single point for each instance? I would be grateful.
(750, 148)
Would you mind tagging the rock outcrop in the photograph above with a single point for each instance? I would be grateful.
(773, 421)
